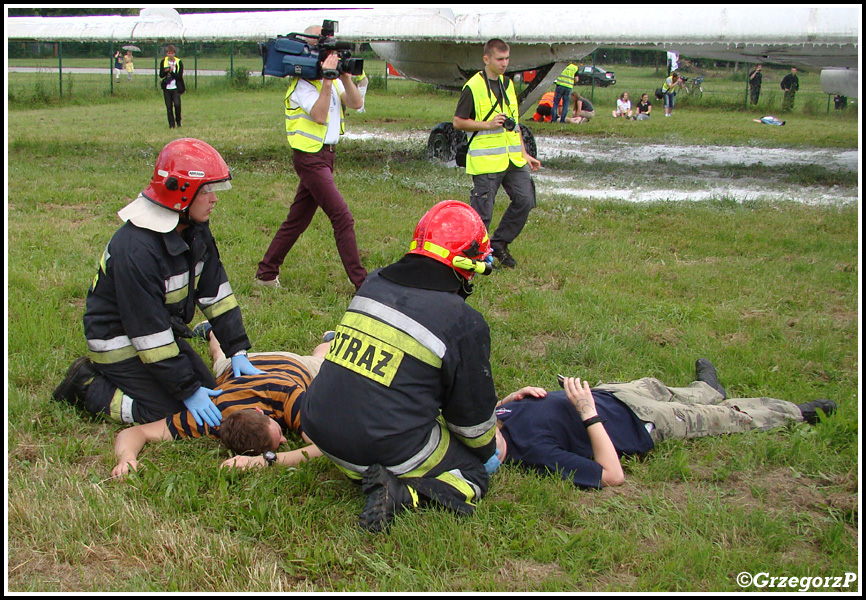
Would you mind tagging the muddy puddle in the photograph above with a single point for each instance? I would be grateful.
(654, 172)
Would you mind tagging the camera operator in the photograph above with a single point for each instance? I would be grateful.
(314, 123)
(497, 155)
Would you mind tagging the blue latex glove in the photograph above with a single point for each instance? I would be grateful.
(241, 365)
(202, 407)
(492, 463)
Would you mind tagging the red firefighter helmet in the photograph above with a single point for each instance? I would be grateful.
(182, 169)
(451, 232)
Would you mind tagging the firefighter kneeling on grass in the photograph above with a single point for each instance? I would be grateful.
(404, 402)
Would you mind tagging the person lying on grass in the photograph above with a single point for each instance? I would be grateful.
(581, 433)
(258, 410)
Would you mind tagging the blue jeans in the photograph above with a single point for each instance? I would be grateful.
(562, 93)
(669, 99)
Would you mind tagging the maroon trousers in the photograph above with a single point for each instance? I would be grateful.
(315, 189)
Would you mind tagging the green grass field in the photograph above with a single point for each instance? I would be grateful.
(606, 290)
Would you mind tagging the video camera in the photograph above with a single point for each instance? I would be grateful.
(302, 55)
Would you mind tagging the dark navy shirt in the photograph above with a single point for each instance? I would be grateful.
(547, 434)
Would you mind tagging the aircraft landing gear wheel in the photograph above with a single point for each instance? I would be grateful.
(442, 143)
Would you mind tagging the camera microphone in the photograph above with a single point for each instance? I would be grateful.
(338, 45)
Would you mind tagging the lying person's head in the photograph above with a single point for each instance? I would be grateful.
(250, 431)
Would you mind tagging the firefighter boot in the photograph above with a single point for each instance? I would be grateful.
(387, 496)
(74, 386)
(810, 412)
(501, 252)
(706, 372)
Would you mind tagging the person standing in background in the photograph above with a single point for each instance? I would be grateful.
(497, 155)
(562, 93)
(790, 84)
(127, 64)
(755, 84)
(171, 72)
(118, 65)
(315, 110)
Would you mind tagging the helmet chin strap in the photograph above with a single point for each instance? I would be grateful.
(184, 218)
(466, 286)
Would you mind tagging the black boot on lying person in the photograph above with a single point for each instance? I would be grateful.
(810, 409)
(706, 372)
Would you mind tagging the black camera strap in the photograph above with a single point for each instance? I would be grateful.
(492, 108)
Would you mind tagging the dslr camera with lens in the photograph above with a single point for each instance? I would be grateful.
(509, 124)
(301, 55)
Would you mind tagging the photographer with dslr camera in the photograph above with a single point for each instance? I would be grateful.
(488, 106)
(314, 123)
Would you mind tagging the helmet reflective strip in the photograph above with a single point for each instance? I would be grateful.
(436, 249)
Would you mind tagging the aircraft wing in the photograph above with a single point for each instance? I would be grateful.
(443, 46)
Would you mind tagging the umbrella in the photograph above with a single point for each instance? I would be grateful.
(131, 47)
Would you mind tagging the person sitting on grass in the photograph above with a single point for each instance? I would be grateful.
(623, 107)
(581, 433)
(258, 409)
(644, 108)
(583, 110)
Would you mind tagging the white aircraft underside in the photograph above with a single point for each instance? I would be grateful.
(443, 46)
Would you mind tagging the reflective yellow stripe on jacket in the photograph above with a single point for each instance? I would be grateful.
(566, 78)
(491, 151)
(302, 131)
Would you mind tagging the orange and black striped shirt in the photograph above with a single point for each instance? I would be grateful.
(276, 392)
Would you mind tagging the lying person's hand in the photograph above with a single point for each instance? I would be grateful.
(123, 469)
(243, 462)
(526, 392)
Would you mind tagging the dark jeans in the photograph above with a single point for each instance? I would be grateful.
(172, 100)
(518, 184)
(315, 189)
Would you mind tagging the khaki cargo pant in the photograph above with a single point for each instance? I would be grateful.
(699, 410)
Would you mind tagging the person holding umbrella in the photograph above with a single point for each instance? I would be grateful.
(127, 62)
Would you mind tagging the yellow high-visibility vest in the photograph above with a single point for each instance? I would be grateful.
(491, 151)
(302, 131)
(566, 78)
